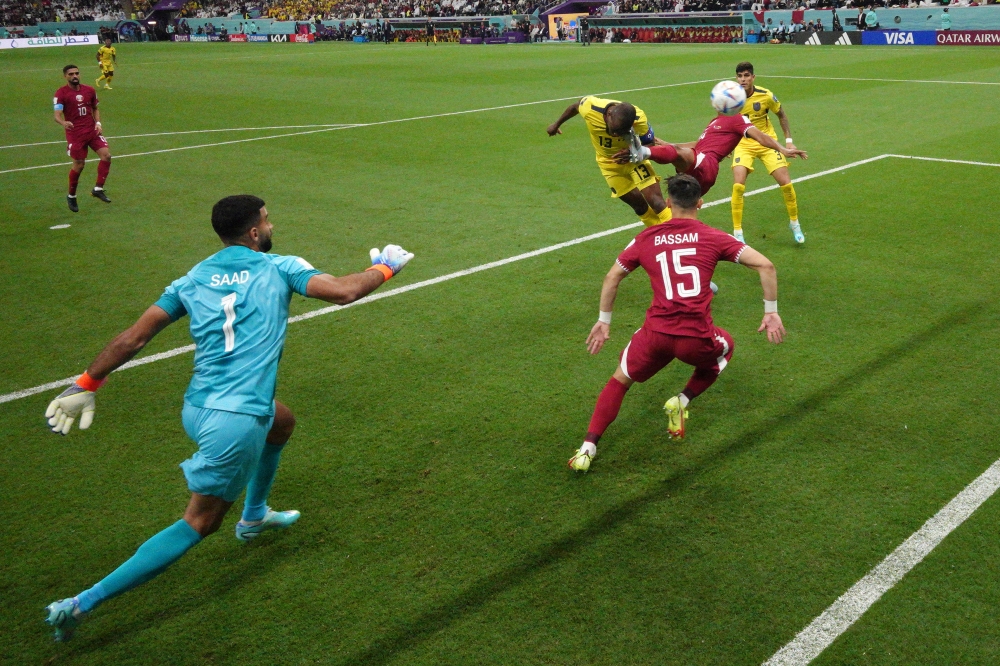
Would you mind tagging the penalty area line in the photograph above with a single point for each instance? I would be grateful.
(851, 605)
(24, 393)
(372, 124)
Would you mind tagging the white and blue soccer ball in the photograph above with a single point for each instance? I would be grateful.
(728, 97)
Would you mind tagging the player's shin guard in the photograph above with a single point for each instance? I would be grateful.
(791, 203)
(665, 215)
(74, 180)
(255, 505)
(103, 167)
(650, 218)
(737, 205)
(606, 410)
(152, 559)
(663, 154)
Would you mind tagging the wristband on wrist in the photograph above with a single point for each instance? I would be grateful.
(604, 317)
(770, 306)
(88, 383)
(789, 140)
(98, 123)
(383, 269)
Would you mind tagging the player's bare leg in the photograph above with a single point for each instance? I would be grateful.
(784, 180)
(74, 180)
(740, 174)
(635, 199)
(654, 197)
(107, 80)
(605, 412)
(257, 516)
(103, 167)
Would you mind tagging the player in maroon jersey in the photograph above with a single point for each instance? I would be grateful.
(76, 110)
(701, 158)
(680, 257)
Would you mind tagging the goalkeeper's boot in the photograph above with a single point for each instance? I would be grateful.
(797, 232)
(634, 148)
(676, 416)
(273, 520)
(738, 235)
(71, 202)
(65, 616)
(714, 287)
(99, 193)
(580, 462)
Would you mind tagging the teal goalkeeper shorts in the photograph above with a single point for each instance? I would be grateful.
(229, 448)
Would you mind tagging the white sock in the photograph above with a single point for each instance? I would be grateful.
(684, 400)
(589, 448)
(71, 196)
(97, 188)
(793, 224)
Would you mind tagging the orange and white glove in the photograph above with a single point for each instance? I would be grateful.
(75, 402)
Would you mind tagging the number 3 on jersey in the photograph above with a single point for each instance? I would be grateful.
(229, 307)
(683, 291)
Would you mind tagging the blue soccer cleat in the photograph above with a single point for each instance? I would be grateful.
(273, 520)
(797, 232)
(65, 616)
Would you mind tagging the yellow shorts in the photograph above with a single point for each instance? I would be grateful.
(623, 178)
(771, 159)
(107, 71)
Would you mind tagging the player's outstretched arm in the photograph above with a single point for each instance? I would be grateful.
(601, 331)
(349, 288)
(785, 127)
(768, 142)
(571, 110)
(78, 400)
(771, 323)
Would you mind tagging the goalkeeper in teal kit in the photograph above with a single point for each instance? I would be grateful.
(237, 301)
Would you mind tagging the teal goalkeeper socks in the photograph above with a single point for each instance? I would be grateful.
(152, 559)
(255, 505)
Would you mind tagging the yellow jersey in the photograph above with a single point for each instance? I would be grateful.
(592, 111)
(107, 55)
(757, 108)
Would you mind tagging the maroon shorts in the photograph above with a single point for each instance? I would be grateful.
(705, 171)
(649, 352)
(76, 146)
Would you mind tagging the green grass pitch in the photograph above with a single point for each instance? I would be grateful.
(440, 524)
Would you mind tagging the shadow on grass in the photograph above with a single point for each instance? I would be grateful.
(438, 619)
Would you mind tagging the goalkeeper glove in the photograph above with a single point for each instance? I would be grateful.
(76, 401)
(390, 260)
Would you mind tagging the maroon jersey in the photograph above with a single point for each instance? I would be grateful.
(680, 257)
(78, 107)
(721, 136)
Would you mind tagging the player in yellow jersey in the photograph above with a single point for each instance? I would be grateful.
(106, 58)
(760, 102)
(611, 125)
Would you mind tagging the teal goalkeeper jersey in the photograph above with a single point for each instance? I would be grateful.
(238, 302)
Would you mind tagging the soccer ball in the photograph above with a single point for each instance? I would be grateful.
(728, 97)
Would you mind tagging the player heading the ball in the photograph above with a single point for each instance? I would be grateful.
(680, 257)
(237, 300)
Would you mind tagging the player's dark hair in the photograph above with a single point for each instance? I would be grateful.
(69, 67)
(744, 67)
(684, 190)
(234, 216)
(621, 117)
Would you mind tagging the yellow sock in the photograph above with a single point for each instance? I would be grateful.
(649, 218)
(791, 203)
(100, 79)
(737, 205)
(665, 215)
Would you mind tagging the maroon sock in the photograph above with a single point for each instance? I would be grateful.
(606, 410)
(663, 154)
(74, 180)
(700, 380)
(102, 172)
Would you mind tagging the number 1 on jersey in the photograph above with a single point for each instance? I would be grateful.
(229, 307)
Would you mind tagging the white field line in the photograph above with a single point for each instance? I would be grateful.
(846, 610)
(24, 393)
(941, 159)
(374, 124)
(851, 78)
(201, 131)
